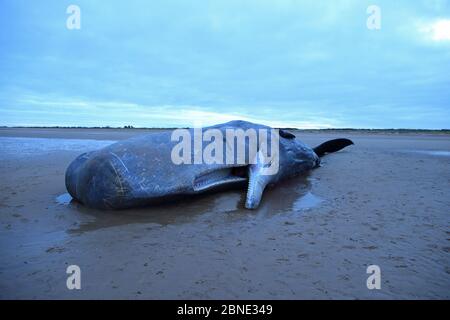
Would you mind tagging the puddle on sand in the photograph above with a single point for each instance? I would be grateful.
(63, 199)
(23, 147)
(308, 201)
(436, 153)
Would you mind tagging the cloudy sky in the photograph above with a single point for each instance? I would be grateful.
(307, 64)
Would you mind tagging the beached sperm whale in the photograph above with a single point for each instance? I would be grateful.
(149, 169)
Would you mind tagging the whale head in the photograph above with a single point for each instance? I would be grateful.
(293, 158)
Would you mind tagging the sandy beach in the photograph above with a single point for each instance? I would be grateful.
(384, 201)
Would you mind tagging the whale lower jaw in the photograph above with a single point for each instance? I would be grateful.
(235, 176)
(220, 178)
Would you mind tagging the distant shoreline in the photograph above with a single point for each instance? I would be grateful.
(328, 130)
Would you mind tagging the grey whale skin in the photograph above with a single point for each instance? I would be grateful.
(139, 171)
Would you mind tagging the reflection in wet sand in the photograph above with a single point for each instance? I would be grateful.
(437, 153)
(64, 199)
(286, 198)
(21, 147)
(307, 201)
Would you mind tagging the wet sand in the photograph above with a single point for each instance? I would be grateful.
(384, 201)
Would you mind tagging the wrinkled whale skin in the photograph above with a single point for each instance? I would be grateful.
(139, 171)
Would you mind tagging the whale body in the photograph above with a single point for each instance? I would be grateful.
(140, 171)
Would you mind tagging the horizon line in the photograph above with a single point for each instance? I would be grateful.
(130, 127)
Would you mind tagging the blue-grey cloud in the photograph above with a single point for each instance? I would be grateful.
(175, 63)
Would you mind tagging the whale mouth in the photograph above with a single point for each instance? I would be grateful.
(220, 178)
(233, 177)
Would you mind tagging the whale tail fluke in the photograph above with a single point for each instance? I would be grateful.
(332, 146)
